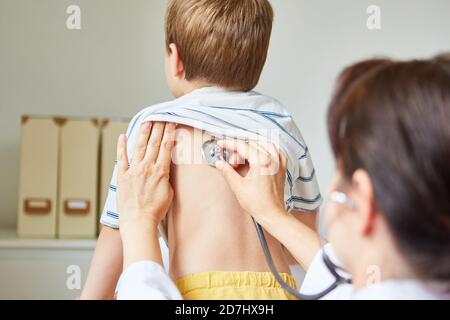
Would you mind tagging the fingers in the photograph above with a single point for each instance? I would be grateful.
(248, 151)
(231, 176)
(122, 155)
(167, 145)
(278, 159)
(271, 150)
(235, 160)
(154, 143)
(251, 151)
(141, 142)
(283, 159)
(263, 156)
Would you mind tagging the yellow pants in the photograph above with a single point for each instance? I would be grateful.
(234, 286)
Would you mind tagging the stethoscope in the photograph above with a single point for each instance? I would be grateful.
(332, 268)
(213, 153)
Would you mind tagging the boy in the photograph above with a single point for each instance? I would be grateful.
(216, 50)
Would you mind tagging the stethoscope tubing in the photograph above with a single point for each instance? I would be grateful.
(339, 280)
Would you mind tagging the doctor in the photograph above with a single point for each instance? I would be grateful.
(388, 213)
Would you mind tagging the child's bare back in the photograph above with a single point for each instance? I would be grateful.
(207, 228)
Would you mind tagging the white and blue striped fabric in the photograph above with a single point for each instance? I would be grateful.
(240, 115)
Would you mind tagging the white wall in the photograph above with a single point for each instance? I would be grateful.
(314, 39)
(114, 65)
(111, 67)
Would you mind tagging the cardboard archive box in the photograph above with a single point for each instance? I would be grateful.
(38, 181)
(78, 179)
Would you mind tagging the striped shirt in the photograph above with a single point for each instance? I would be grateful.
(237, 115)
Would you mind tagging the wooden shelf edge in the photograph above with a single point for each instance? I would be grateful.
(10, 240)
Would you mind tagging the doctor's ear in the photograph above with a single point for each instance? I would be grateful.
(176, 66)
(363, 196)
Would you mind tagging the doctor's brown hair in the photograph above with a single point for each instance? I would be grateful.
(346, 80)
(395, 124)
(222, 42)
(444, 60)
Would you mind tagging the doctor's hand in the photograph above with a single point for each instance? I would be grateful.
(144, 193)
(261, 192)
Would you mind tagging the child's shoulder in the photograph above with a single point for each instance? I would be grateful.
(141, 116)
(214, 101)
(155, 108)
(271, 104)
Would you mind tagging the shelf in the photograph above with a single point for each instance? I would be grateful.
(10, 240)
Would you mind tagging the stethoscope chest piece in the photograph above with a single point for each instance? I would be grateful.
(212, 153)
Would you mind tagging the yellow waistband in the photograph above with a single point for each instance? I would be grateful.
(234, 286)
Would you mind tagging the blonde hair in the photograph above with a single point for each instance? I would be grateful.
(222, 42)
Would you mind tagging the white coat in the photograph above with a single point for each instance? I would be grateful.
(147, 280)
